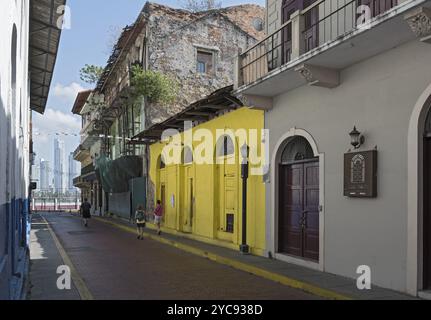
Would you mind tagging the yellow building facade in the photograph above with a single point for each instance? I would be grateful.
(201, 192)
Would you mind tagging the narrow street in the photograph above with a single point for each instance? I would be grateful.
(115, 265)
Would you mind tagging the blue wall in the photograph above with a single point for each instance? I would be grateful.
(14, 240)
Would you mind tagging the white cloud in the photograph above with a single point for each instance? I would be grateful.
(45, 128)
(67, 93)
(55, 121)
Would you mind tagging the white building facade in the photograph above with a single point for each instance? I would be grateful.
(335, 203)
(21, 90)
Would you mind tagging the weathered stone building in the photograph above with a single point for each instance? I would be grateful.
(196, 50)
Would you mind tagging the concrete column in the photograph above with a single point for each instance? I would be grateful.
(298, 24)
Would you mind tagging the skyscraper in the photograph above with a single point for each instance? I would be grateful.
(72, 172)
(44, 175)
(59, 166)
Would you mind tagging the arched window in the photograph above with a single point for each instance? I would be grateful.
(225, 146)
(296, 150)
(187, 155)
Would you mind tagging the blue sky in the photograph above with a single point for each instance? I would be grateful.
(93, 24)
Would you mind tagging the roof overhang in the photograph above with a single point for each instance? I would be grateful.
(43, 47)
(201, 111)
(80, 101)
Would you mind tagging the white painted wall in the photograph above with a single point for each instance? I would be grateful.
(16, 13)
(14, 127)
(378, 96)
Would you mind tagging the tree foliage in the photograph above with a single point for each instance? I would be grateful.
(90, 73)
(200, 5)
(153, 85)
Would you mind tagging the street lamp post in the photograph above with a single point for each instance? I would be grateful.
(245, 150)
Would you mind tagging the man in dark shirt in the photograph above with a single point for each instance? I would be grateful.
(85, 211)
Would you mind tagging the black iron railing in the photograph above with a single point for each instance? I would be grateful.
(323, 21)
(269, 54)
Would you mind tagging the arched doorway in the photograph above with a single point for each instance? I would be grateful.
(418, 234)
(298, 196)
(427, 203)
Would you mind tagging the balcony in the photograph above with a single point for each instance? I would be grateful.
(80, 153)
(87, 170)
(78, 182)
(319, 41)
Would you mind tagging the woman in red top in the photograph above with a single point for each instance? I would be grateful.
(158, 214)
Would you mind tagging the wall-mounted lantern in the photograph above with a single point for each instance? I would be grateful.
(357, 139)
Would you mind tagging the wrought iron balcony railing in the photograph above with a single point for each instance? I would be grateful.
(308, 29)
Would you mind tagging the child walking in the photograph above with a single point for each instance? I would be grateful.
(158, 214)
(140, 221)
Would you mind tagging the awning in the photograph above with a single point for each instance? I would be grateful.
(43, 48)
(80, 101)
(201, 111)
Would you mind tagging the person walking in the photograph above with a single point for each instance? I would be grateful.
(85, 211)
(158, 214)
(140, 221)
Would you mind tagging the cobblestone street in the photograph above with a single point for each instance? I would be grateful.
(115, 265)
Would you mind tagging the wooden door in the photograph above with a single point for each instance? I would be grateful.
(287, 9)
(290, 210)
(298, 224)
(188, 200)
(311, 211)
(227, 201)
(311, 34)
(427, 215)
(163, 200)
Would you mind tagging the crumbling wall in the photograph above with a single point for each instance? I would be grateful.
(173, 46)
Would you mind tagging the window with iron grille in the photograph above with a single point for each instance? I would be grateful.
(204, 62)
(230, 222)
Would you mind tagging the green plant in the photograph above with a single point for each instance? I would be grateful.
(153, 85)
(90, 73)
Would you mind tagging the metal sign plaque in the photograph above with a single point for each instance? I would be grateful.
(360, 174)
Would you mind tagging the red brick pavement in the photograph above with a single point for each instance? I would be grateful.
(115, 265)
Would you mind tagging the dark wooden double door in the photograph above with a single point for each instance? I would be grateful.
(427, 215)
(298, 220)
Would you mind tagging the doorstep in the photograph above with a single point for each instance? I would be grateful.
(426, 295)
(319, 283)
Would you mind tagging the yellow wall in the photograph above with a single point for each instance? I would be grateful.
(208, 188)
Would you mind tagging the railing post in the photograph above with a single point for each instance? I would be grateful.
(237, 76)
(298, 25)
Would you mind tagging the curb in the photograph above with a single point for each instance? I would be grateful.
(290, 282)
(80, 285)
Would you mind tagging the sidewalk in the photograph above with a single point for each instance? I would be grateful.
(45, 258)
(315, 282)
